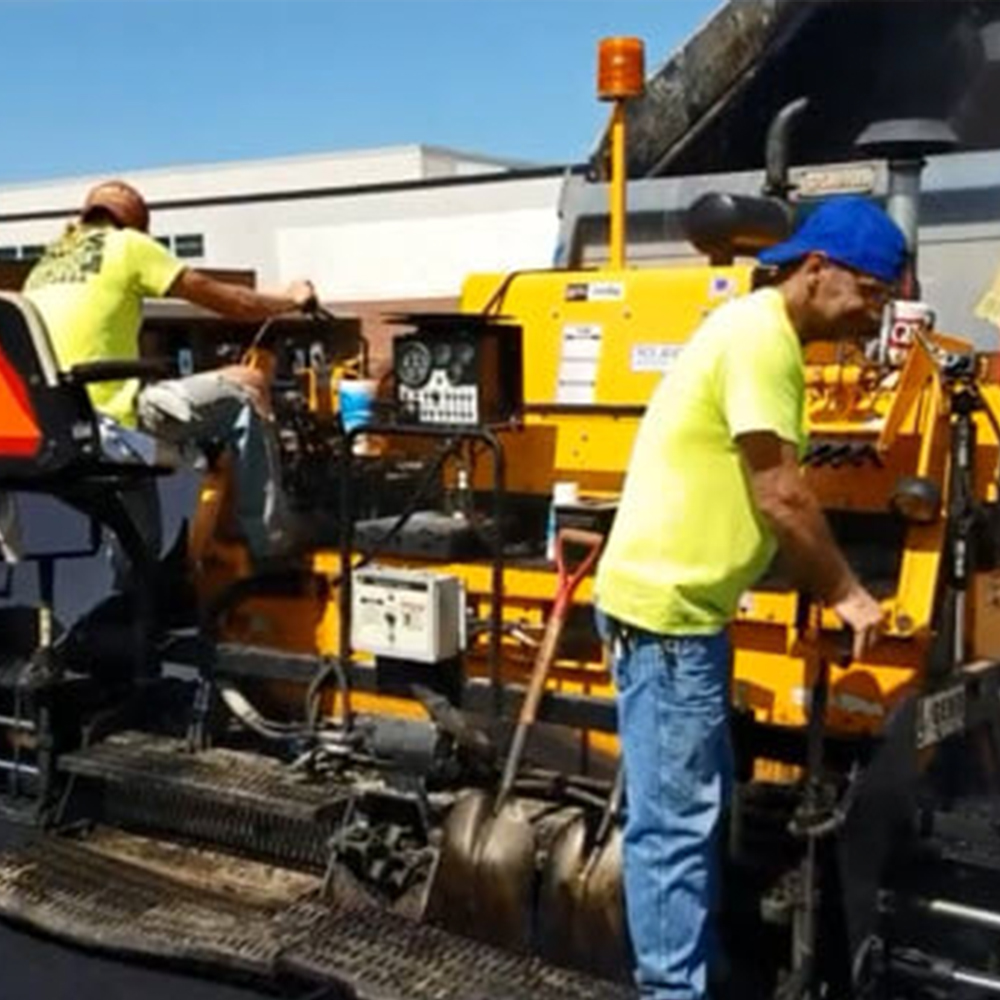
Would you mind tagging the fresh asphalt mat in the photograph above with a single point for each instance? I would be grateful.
(35, 967)
(38, 966)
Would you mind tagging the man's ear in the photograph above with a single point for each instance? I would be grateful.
(812, 268)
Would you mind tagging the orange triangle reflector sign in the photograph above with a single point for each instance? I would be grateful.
(20, 435)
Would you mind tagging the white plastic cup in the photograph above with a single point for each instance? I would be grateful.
(564, 494)
(907, 320)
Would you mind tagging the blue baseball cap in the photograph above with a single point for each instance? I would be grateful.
(850, 231)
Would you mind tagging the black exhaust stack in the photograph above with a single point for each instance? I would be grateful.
(904, 142)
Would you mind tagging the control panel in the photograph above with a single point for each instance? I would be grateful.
(457, 369)
(408, 614)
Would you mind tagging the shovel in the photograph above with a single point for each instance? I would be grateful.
(484, 883)
(581, 911)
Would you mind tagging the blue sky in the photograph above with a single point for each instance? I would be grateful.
(102, 87)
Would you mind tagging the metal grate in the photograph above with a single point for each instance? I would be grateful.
(255, 807)
(379, 955)
(60, 887)
(63, 888)
(228, 776)
(233, 800)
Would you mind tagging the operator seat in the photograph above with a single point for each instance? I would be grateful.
(52, 443)
(50, 435)
(49, 430)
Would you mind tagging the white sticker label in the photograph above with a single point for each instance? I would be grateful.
(654, 357)
(577, 371)
(581, 352)
(939, 716)
(575, 394)
(581, 343)
(605, 291)
(857, 705)
(821, 182)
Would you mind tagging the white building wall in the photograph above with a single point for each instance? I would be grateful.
(411, 258)
(374, 231)
(385, 165)
(419, 243)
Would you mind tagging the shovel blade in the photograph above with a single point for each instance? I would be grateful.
(451, 900)
(559, 894)
(505, 879)
(483, 885)
(581, 913)
(603, 927)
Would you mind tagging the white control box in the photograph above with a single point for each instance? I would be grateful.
(409, 614)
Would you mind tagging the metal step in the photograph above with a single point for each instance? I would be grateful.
(93, 896)
(237, 801)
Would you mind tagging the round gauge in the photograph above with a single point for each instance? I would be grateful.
(459, 371)
(442, 354)
(464, 352)
(413, 363)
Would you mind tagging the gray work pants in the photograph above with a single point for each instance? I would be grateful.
(207, 409)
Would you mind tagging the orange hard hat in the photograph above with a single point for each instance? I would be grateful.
(119, 200)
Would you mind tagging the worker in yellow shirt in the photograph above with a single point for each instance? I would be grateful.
(713, 489)
(89, 287)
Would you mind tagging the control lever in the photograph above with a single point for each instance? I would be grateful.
(838, 646)
(317, 310)
(815, 816)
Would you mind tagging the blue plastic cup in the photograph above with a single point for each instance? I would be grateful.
(357, 402)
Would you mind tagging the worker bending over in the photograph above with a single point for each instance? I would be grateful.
(713, 488)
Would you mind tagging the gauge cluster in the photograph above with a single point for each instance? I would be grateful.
(457, 369)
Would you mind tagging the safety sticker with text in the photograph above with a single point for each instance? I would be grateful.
(581, 353)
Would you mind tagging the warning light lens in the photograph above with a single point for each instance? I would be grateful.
(621, 69)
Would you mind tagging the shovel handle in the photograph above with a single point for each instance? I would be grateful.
(612, 809)
(568, 582)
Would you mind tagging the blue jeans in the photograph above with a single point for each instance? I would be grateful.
(673, 697)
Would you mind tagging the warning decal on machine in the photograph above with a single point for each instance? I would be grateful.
(581, 353)
(940, 715)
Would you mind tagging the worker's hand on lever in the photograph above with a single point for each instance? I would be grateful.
(303, 295)
(310, 304)
(863, 615)
(255, 373)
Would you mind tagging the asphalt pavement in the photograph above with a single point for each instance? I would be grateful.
(35, 967)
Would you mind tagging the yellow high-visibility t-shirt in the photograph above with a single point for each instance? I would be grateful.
(687, 539)
(89, 287)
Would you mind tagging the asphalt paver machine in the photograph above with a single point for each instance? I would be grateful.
(386, 766)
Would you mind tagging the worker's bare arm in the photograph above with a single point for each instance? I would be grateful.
(238, 301)
(794, 515)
